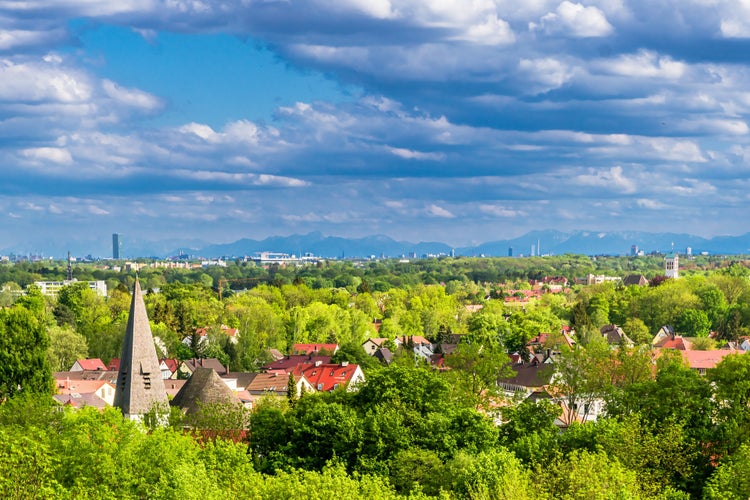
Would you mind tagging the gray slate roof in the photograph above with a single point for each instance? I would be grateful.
(203, 387)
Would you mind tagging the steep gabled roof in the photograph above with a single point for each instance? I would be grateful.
(139, 384)
(384, 355)
(204, 387)
(378, 341)
(614, 335)
(677, 342)
(327, 377)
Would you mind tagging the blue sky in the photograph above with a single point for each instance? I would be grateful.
(442, 120)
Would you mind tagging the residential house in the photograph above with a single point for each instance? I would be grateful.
(384, 355)
(276, 384)
(666, 331)
(677, 342)
(422, 347)
(173, 386)
(101, 389)
(106, 375)
(372, 345)
(615, 336)
(190, 365)
(527, 376)
(203, 332)
(315, 349)
(591, 279)
(77, 400)
(328, 377)
(287, 363)
(702, 361)
(88, 364)
(169, 368)
(635, 280)
(585, 409)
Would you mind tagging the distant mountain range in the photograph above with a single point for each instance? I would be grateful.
(549, 242)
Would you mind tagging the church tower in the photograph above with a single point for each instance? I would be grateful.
(672, 266)
(139, 382)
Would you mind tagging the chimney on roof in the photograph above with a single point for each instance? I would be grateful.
(344, 363)
(318, 363)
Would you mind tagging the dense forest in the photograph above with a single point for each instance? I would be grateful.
(410, 430)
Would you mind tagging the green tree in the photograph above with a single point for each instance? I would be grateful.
(474, 372)
(24, 366)
(65, 347)
(730, 480)
(731, 381)
(637, 331)
(694, 323)
(417, 469)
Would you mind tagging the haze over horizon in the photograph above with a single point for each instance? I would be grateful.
(424, 121)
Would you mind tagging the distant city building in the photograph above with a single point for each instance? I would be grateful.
(52, 288)
(672, 266)
(510, 251)
(634, 250)
(689, 251)
(591, 279)
(213, 263)
(115, 246)
(284, 258)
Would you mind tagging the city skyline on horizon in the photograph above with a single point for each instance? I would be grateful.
(418, 120)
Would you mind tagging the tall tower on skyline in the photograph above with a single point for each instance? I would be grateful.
(139, 383)
(115, 246)
(672, 266)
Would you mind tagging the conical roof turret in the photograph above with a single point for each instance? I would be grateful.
(139, 383)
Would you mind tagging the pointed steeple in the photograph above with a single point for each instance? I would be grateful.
(139, 382)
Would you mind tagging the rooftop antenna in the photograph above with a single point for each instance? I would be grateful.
(70, 268)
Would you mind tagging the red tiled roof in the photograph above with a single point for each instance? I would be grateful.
(314, 348)
(91, 364)
(65, 386)
(539, 339)
(114, 365)
(171, 363)
(327, 377)
(706, 360)
(288, 363)
(678, 342)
